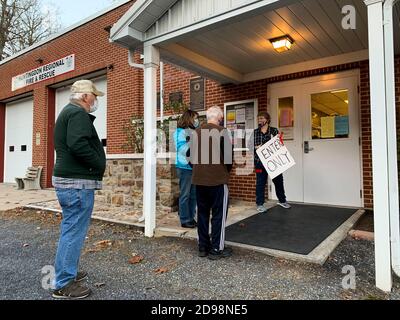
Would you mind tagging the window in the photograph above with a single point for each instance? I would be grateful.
(23, 148)
(286, 117)
(12, 148)
(330, 115)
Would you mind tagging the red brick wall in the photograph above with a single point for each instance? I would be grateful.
(2, 139)
(366, 143)
(243, 186)
(93, 52)
(125, 94)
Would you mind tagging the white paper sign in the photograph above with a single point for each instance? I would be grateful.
(275, 157)
(48, 71)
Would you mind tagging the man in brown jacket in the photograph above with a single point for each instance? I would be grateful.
(212, 162)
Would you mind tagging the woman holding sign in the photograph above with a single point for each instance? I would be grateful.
(261, 135)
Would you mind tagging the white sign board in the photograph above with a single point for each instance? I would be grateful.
(48, 71)
(275, 157)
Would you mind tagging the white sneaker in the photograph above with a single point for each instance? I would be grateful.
(261, 208)
(284, 205)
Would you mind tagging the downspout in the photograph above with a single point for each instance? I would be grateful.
(132, 63)
(161, 90)
(139, 66)
(391, 135)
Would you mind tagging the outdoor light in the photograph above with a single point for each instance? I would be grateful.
(282, 44)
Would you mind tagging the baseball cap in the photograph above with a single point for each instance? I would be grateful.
(86, 86)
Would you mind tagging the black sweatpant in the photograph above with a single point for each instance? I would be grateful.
(212, 200)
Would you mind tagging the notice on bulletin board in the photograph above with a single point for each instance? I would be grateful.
(239, 118)
(241, 115)
(231, 117)
(327, 127)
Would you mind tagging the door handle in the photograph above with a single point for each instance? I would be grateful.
(307, 148)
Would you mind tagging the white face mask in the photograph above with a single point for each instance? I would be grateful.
(94, 106)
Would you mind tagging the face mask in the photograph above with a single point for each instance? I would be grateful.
(262, 124)
(196, 123)
(94, 106)
(221, 122)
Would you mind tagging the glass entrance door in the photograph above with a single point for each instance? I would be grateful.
(320, 123)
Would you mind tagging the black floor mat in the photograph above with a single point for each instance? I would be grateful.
(299, 229)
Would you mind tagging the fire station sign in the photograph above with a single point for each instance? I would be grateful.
(48, 71)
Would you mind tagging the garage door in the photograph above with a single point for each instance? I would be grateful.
(18, 137)
(62, 99)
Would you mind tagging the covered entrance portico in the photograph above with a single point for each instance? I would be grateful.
(228, 41)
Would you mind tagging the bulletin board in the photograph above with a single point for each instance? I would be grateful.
(240, 115)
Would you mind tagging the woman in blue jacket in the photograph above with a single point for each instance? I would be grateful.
(187, 198)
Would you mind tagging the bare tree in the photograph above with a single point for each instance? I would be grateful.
(24, 23)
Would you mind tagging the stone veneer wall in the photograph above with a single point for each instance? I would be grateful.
(123, 184)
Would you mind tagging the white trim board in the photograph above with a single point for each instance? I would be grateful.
(330, 76)
(351, 57)
(308, 65)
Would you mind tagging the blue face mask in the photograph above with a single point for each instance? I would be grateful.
(196, 123)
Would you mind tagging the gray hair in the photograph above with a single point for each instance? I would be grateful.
(214, 113)
(76, 97)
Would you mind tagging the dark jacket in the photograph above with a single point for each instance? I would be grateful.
(209, 174)
(80, 153)
(259, 138)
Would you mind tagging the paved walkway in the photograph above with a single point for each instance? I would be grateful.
(167, 222)
(11, 198)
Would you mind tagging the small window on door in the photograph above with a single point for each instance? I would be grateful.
(286, 117)
(23, 148)
(330, 115)
(11, 149)
(104, 142)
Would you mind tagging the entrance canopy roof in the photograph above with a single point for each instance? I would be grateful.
(228, 40)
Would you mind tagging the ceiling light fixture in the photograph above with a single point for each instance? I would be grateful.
(283, 43)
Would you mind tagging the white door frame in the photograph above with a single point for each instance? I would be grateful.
(332, 76)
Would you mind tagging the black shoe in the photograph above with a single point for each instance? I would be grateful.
(72, 290)
(81, 275)
(218, 254)
(203, 252)
(190, 225)
(194, 222)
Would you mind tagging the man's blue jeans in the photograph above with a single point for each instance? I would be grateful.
(77, 207)
(187, 196)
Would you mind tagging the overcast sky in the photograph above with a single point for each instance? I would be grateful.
(72, 11)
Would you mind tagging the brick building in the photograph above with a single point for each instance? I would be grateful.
(325, 80)
(101, 60)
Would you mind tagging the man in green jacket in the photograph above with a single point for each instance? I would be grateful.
(78, 172)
